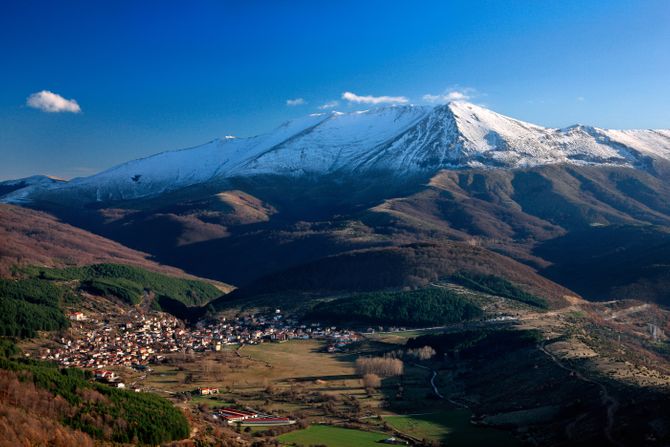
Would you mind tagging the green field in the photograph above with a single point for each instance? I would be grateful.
(452, 428)
(332, 437)
(401, 337)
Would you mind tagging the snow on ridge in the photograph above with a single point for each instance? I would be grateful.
(32, 180)
(400, 139)
(334, 142)
(516, 143)
(20, 189)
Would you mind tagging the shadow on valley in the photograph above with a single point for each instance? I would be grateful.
(237, 236)
(507, 380)
(612, 262)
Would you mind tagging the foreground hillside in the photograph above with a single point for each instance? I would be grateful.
(44, 405)
(49, 271)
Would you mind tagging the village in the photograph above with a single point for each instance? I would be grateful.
(137, 340)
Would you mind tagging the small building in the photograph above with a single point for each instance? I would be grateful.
(77, 316)
(105, 375)
(233, 415)
(394, 441)
(208, 391)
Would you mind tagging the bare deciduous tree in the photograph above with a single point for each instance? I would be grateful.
(371, 381)
(424, 353)
(381, 366)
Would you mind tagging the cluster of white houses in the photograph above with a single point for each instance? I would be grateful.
(136, 339)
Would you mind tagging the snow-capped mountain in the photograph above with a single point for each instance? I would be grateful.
(401, 140)
(21, 187)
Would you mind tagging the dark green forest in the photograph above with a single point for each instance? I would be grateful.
(423, 307)
(36, 300)
(129, 283)
(31, 305)
(495, 285)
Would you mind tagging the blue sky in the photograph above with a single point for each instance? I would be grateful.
(153, 76)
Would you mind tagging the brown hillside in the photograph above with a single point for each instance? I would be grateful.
(511, 211)
(29, 237)
(32, 416)
(242, 232)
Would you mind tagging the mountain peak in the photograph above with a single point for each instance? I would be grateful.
(399, 140)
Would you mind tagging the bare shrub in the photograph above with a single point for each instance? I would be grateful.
(424, 353)
(371, 381)
(381, 366)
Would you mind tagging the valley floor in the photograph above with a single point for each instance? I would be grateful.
(579, 383)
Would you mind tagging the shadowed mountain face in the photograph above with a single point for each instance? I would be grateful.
(405, 266)
(34, 238)
(260, 229)
(606, 263)
(512, 211)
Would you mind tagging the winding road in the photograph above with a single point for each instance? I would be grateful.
(609, 401)
(436, 390)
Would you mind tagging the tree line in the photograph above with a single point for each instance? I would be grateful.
(380, 366)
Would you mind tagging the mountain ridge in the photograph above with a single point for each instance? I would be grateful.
(397, 140)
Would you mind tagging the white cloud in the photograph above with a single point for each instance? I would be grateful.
(463, 94)
(581, 99)
(329, 105)
(295, 102)
(47, 101)
(352, 97)
(432, 98)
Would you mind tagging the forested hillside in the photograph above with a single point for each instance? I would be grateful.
(31, 305)
(63, 407)
(129, 283)
(425, 307)
(35, 300)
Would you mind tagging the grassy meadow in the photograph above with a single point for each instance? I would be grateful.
(332, 437)
(451, 428)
